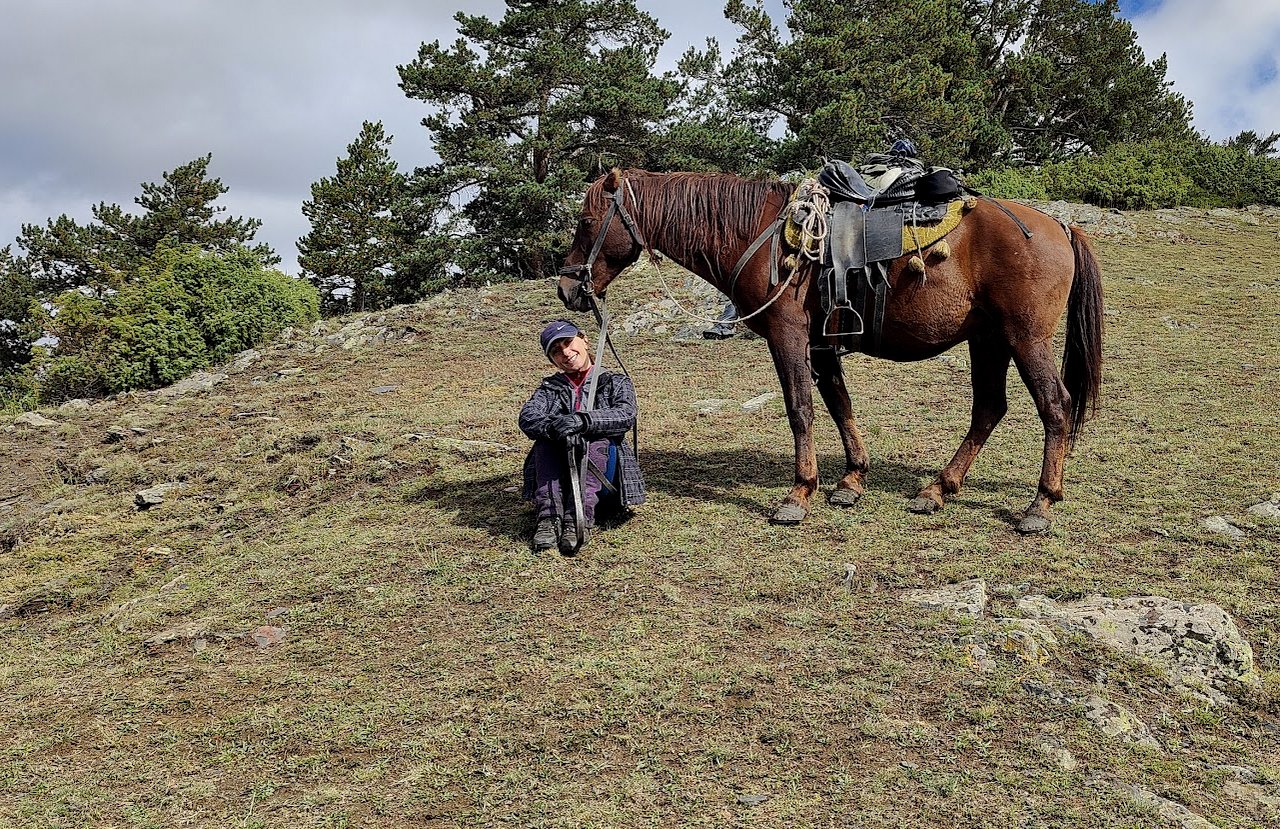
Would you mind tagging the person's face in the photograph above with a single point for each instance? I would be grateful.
(571, 355)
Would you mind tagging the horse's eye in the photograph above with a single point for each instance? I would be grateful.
(588, 221)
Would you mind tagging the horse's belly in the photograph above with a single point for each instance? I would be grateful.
(924, 321)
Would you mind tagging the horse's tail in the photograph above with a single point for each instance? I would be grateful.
(1082, 359)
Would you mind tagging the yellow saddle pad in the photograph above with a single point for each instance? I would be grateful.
(917, 237)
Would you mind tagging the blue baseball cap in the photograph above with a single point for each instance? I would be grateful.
(558, 330)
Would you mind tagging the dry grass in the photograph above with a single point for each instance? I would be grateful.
(437, 673)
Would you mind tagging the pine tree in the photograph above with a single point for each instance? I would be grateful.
(356, 239)
(973, 82)
(65, 254)
(525, 110)
(1078, 83)
(17, 296)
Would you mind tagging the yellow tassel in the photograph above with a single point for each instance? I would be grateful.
(789, 262)
(915, 265)
(942, 250)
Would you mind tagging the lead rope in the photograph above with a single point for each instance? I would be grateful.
(580, 465)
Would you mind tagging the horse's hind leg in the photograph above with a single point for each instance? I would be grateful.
(1036, 365)
(989, 370)
(829, 375)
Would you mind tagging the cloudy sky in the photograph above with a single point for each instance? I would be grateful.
(102, 95)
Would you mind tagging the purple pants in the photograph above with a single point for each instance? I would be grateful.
(552, 496)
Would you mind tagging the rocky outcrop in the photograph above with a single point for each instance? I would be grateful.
(1198, 644)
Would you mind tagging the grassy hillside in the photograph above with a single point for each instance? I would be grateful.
(695, 665)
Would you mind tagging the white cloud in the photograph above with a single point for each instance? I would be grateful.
(102, 96)
(1223, 57)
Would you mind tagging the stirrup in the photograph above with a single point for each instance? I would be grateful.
(845, 306)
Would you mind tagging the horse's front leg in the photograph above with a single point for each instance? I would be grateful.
(791, 360)
(829, 375)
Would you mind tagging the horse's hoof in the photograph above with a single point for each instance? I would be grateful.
(924, 506)
(842, 497)
(1033, 524)
(788, 514)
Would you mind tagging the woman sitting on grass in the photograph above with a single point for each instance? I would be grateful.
(553, 417)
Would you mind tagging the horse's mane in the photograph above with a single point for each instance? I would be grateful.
(696, 214)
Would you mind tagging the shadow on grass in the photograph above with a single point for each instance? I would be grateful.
(491, 503)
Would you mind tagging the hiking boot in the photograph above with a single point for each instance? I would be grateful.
(718, 332)
(569, 536)
(544, 537)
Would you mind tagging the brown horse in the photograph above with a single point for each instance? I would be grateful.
(999, 290)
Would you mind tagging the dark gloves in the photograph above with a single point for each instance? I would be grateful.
(568, 426)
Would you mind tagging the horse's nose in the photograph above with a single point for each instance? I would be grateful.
(560, 293)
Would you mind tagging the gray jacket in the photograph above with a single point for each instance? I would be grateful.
(613, 416)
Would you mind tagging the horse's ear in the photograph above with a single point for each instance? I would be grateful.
(612, 180)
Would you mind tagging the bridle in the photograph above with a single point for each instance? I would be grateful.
(616, 208)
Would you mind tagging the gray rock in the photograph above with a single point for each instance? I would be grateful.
(77, 405)
(1198, 644)
(756, 403)
(711, 405)
(1266, 509)
(1167, 809)
(1027, 639)
(1222, 525)
(200, 381)
(243, 360)
(1117, 722)
(967, 598)
(1264, 799)
(151, 496)
(35, 420)
(1061, 758)
(980, 658)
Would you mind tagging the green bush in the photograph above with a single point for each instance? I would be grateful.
(236, 303)
(183, 310)
(19, 391)
(69, 378)
(1128, 176)
(1010, 183)
(1146, 175)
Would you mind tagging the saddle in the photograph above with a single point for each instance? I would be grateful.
(879, 209)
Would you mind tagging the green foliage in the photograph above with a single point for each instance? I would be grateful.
(65, 254)
(1127, 176)
(971, 81)
(360, 253)
(184, 309)
(1147, 175)
(19, 391)
(525, 111)
(17, 296)
(234, 302)
(1010, 183)
(1077, 82)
